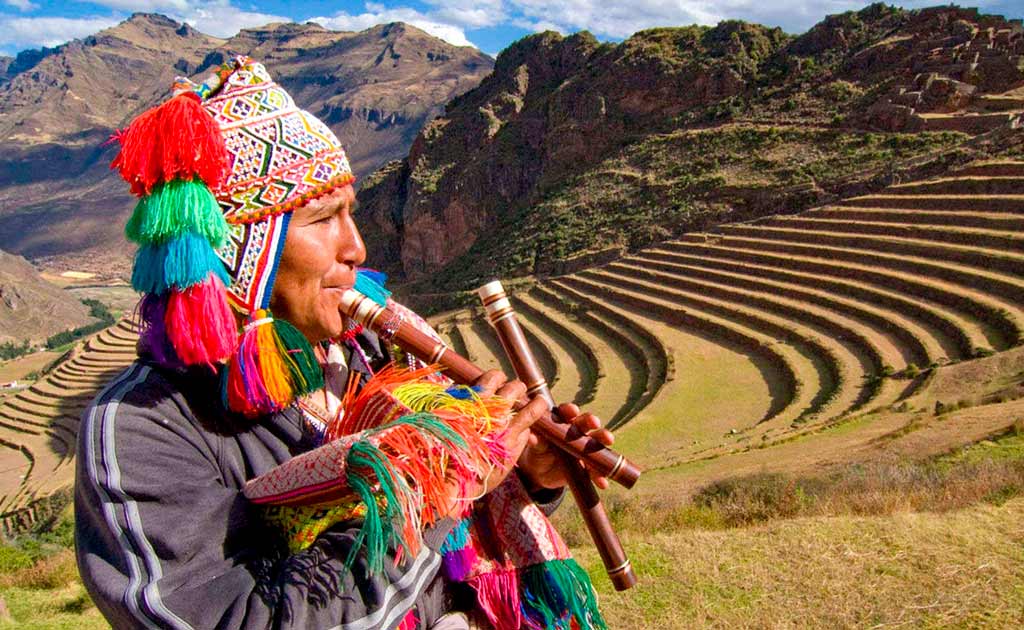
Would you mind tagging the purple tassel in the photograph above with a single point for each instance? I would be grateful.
(153, 339)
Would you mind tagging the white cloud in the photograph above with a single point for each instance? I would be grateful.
(33, 32)
(22, 5)
(620, 20)
(379, 14)
(469, 13)
(222, 19)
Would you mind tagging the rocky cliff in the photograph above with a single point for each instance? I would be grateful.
(58, 202)
(572, 147)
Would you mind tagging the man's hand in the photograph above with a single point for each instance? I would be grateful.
(517, 436)
(540, 463)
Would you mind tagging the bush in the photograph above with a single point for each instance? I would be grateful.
(98, 310)
(11, 350)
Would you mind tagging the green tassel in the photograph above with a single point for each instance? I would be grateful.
(175, 208)
(377, 533)
(557, 591)
(304, 372)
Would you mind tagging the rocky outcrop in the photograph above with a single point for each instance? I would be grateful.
(553, 106)
(555, 109)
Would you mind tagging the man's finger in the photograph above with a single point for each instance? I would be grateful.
(567, 411)
(529, 414)
(604, 436)
(490, 381)
(513, 390)
(587, 422)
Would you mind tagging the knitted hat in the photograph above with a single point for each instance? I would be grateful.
(218, 168)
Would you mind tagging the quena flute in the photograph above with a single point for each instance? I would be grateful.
(390, 324)
(502, 316)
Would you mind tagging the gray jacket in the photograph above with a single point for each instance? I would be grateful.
(165, 539)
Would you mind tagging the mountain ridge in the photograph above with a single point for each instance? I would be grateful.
(62, 206)
(573, 147)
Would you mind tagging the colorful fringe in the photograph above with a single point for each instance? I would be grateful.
(273, 364)
(172, 155)
(417, 439)
(370, 283)
(523, 575)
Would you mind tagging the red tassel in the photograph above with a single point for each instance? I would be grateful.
(200, 323)
(175, 140)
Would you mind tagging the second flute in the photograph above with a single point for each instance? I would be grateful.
(390, 324)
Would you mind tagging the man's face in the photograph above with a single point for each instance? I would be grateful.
(321, 253)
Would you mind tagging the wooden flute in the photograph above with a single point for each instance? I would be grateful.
(390, 325)
(502, 317)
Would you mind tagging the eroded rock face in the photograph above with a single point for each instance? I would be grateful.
(938, 61)
(552, 106)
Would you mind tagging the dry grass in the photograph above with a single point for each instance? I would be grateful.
(911, 570)
(53, 572)
(990, 472)
(17, 369)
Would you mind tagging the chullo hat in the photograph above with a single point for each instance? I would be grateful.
(218, 168)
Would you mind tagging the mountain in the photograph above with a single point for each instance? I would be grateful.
(573, 150)
(62, 207)
(30, 307)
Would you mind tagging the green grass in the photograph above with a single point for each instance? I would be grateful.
(664, 184)
(39, 582)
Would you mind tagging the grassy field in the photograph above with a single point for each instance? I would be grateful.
(934, 544)
(18, 369)
(930, 544)
(912, 570)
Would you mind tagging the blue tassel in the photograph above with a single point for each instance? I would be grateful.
(179, 263)
(458, 538)
(371, 284)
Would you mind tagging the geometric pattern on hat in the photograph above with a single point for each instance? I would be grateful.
(250, 254)
(280, 157)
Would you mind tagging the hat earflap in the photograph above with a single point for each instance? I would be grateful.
(172, 155)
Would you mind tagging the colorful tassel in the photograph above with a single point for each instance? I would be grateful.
(369, 476)
(497, 593)
(200, 324)
(179, 263)
(371, 284)
(458, 553)
(175, 140)
(557, 593)
(174, 209)
(273, 364)
(153, 340)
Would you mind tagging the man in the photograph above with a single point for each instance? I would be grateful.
(164, 536)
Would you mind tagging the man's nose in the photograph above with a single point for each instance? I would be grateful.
(353, 250)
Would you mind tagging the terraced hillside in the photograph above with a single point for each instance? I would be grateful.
(709, 354)
(38, 425)
(753, 333)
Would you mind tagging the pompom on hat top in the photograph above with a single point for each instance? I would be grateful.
(218, 168)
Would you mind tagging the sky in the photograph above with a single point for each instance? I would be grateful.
(489, 25)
